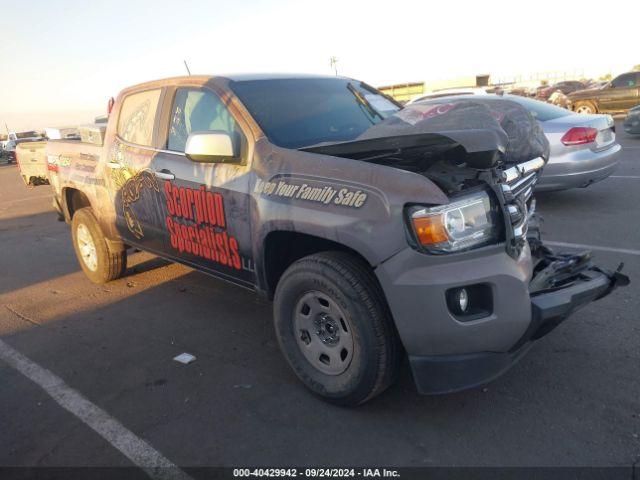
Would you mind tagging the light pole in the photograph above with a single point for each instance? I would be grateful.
(333, 61)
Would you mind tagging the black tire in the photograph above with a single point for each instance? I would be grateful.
(585, 107)
(349, 283)
(109, 265)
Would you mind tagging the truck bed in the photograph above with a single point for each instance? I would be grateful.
(71, 163)
(73, 147)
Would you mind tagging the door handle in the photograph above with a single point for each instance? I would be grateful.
(113, 165)
(165, 174)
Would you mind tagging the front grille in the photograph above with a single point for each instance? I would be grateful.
(517, 184)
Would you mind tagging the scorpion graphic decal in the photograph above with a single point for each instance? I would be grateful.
(131, 194)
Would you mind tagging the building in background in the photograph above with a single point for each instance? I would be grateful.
(403, 92)
(526, 84)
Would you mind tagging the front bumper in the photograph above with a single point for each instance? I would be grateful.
(578, 169)
(447, 355)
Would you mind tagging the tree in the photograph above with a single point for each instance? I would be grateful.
(636, 68)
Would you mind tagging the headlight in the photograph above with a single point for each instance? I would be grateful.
(465, 223)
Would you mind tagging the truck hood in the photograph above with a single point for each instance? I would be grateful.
(486, 133)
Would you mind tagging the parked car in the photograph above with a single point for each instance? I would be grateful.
(449, 92)
(583, 148)
(632, 122)
(520, 91)
(558, 99)
(9, 151)
(594, 84)
(538, 89)
(619, 95)
(565, 87)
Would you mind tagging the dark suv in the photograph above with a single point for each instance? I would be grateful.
(619, 95)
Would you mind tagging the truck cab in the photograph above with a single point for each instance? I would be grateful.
(378, 232)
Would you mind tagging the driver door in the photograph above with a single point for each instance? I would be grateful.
(206, 205)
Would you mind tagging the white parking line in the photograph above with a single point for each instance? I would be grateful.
(134, 448)
(622, 176)
(593, 247)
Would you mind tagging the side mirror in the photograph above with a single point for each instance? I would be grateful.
(211, 147)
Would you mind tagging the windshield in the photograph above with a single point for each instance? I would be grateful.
(541, 111)
(296, 113)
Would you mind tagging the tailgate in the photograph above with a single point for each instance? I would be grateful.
(32, 162)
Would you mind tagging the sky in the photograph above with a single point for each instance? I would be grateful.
(61, 60)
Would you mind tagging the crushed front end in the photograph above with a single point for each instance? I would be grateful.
(466, 315)
(475, 286)
(514, 292)
(561, 283)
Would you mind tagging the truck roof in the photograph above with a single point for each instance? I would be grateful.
(238, 77)
(245, 77)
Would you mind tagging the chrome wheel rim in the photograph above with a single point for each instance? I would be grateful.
(323, 333)
(584, 109)
(87, 247)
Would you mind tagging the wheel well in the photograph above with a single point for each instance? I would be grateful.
(75, 200)
(283, 248)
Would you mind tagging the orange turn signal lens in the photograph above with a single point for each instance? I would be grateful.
(430, 229)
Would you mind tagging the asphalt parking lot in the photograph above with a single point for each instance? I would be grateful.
(574, 400)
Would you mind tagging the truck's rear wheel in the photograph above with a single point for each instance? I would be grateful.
(335, 329)
(99, 263)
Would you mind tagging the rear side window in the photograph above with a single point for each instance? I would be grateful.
(137, 116)
(197, 110)
(541, 111)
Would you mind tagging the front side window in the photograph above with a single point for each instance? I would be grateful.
(625, 81)
(137, 117)
(197, 110)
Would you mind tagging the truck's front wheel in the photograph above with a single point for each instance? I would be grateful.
(99, 263)
(335, 329)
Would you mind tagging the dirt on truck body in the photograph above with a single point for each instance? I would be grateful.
(377, 231)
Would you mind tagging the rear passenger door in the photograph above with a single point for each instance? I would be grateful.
(206, 204)
(129, 174)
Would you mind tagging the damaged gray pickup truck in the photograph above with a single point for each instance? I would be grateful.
(378, 231)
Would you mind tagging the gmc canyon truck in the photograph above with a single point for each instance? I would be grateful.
(378, 232)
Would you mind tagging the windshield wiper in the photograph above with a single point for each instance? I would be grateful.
(364, 102)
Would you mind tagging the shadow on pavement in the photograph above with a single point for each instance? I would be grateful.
(240, 404)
